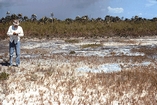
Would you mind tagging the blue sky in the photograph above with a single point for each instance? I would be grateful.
(63, 9)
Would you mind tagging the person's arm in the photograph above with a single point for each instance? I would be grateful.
(20, 32)
(10, 32)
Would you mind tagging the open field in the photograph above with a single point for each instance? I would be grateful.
(80, 71)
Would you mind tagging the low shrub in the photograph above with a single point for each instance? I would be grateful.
(4, 76)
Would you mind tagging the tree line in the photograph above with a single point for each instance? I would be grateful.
(45, 19)
(81, 26)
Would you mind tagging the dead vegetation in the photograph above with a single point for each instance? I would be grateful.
(54, 80)
(62, 85)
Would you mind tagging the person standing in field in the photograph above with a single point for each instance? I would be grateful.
(15, 32)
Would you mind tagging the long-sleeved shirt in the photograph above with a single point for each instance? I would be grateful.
(18, 30)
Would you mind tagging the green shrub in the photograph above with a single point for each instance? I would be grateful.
(4, 76)
(72, 52)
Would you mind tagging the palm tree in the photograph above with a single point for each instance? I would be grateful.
(52, 15)
(8, 13)
(14, 16)
(44, 19)
(34, 17)
(25, 18)
(68, 20)
(99, 19)
(51, 20)
(85, 17)
(20, 16)
(78, 18)
(7, 18)
(107, 18)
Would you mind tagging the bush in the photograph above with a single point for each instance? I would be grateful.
(4, 76)
(86, 29)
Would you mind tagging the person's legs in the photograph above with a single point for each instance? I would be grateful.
(17, 49)
(11, 52)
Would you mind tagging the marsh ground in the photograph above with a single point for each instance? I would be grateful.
(76, 71)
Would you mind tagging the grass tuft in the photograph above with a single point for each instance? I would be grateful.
(72, 52)
(91, 45)
(72, 41)
(4, 76)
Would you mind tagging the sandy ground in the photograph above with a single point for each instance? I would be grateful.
(41, 60)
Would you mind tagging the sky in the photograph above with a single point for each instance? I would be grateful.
(63, 9)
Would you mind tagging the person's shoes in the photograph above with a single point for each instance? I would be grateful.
(16, 65)
(10, 65)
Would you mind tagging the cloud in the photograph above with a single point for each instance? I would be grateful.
(75, 3)
(8, 3)
(151, 3)
(3, 3)
(82, 3)
(61, 8)
(140, 14)
(115, 10)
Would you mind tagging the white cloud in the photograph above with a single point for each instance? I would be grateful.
(61, 8)
(115, 10)
(140, 14)
(151, 3)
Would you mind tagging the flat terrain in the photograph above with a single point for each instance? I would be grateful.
(81, 71)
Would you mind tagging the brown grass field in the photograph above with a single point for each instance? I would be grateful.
(48, 74)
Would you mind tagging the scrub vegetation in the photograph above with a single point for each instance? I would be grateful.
(4, 76)
(82, 27)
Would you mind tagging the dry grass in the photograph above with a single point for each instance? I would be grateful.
(148, 50)
(86, 29)
(91, 45)
(72, 41)
(59, 83)
(54, 80)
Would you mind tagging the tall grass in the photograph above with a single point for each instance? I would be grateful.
(84, 29)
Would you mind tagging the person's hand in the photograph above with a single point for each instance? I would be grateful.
(15, 34)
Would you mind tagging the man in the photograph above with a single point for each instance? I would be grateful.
(15, 32)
